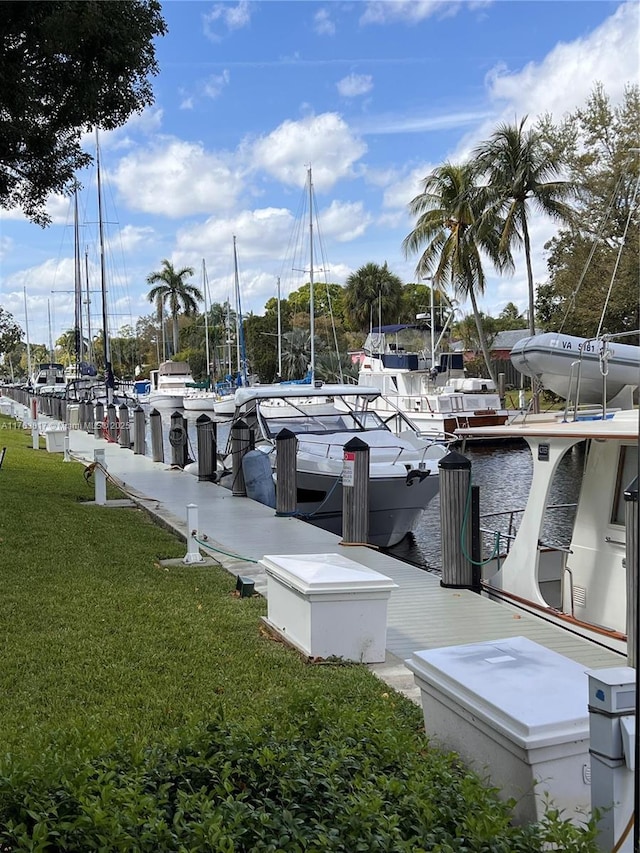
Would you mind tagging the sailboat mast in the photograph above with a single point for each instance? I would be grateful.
(103, 276)
(86, 278)
(279, 334)
(51, 358)
(206, 319)
(312, 366)
(236, 285)
(26, 324)
(78, 282)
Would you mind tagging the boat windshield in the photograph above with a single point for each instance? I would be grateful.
(322, 422)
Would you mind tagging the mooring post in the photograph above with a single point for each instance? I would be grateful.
(112, 422)
(98, 419)
(455, 520)
(207, 451)
(177, 440)
(139, 427)
(82, 414)
(125, 437)
(100, 477)
(241, 440)
(631, 561)
(355, 492)
(89, 422)
(67, 454)
(193, 554)
(157, 445)
(286, 472)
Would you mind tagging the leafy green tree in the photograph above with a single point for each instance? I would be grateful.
(594, 267)
(367, 288)
(510, 318)
(67, 66)
(173, 291)
(453, 230)
(522, 174)
(10, 331)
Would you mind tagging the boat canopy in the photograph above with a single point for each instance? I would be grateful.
(174, 368)
(267, 392)
(396, 327)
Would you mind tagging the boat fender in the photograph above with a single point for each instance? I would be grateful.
(258, 478)
(177, 436)
(416, 475)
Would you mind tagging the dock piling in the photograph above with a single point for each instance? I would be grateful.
(177, 440)
(125, 433)
(98, 419)
(207, 448)
(157, 445)
(286, 472)
(355, 492)
(139, 427)
(455, 521)
(241, 442)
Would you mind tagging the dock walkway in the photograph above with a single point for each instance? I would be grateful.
(421, 613)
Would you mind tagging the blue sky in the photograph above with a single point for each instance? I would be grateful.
(371, 95)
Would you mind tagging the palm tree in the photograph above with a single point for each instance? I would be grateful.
(453, 230)
(171, 289)
(521, 173)
(368, 287)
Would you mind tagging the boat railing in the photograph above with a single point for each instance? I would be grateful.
(499, 537)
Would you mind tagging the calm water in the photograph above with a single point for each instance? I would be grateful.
(503, 474)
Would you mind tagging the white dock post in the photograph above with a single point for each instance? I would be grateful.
(67, 455)
(35, 438)
(100, 478)
(193, 554)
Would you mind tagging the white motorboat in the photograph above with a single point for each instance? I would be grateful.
(580, 583)
(564, 363)
(436, 395)
(169, 384)
(403, 470)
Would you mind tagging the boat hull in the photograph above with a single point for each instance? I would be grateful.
(394, 505)
(165, 400)
(199, 403)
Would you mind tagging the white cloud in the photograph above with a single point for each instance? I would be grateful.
(344, 222)
(175, 178)
(322, 23)
(214, 85)
(230, 17)
(566, 76)
(6, 244)
(286, 151)
(354, 85)
(414, 11)
(131, 237)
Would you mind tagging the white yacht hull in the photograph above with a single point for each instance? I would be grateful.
(165, 400)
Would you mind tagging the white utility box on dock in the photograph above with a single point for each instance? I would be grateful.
(328, 606)
(54, 440)
(514, 711)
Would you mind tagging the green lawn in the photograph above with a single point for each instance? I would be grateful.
(123, 680)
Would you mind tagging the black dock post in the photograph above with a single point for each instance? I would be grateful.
(97, 420)
(455, 521)
(125, 432)
(157, 445)
(112, 422)
(89, 421)
(242, 440)
(355, 492)
(286, 472)
(207, 448)
(139, 427)
(177, 440)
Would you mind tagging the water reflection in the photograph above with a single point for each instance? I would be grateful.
(503, 475)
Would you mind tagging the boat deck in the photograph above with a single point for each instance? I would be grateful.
(421, 613)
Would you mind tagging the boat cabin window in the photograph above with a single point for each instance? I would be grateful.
(627, 472)
(324, 423)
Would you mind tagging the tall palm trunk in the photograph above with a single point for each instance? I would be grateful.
(175, 334)
(481, 335)
(535, 385)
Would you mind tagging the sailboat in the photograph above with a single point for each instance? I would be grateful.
(202, 399)
(225, 403)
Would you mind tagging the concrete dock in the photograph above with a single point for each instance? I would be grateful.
(238, 532)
